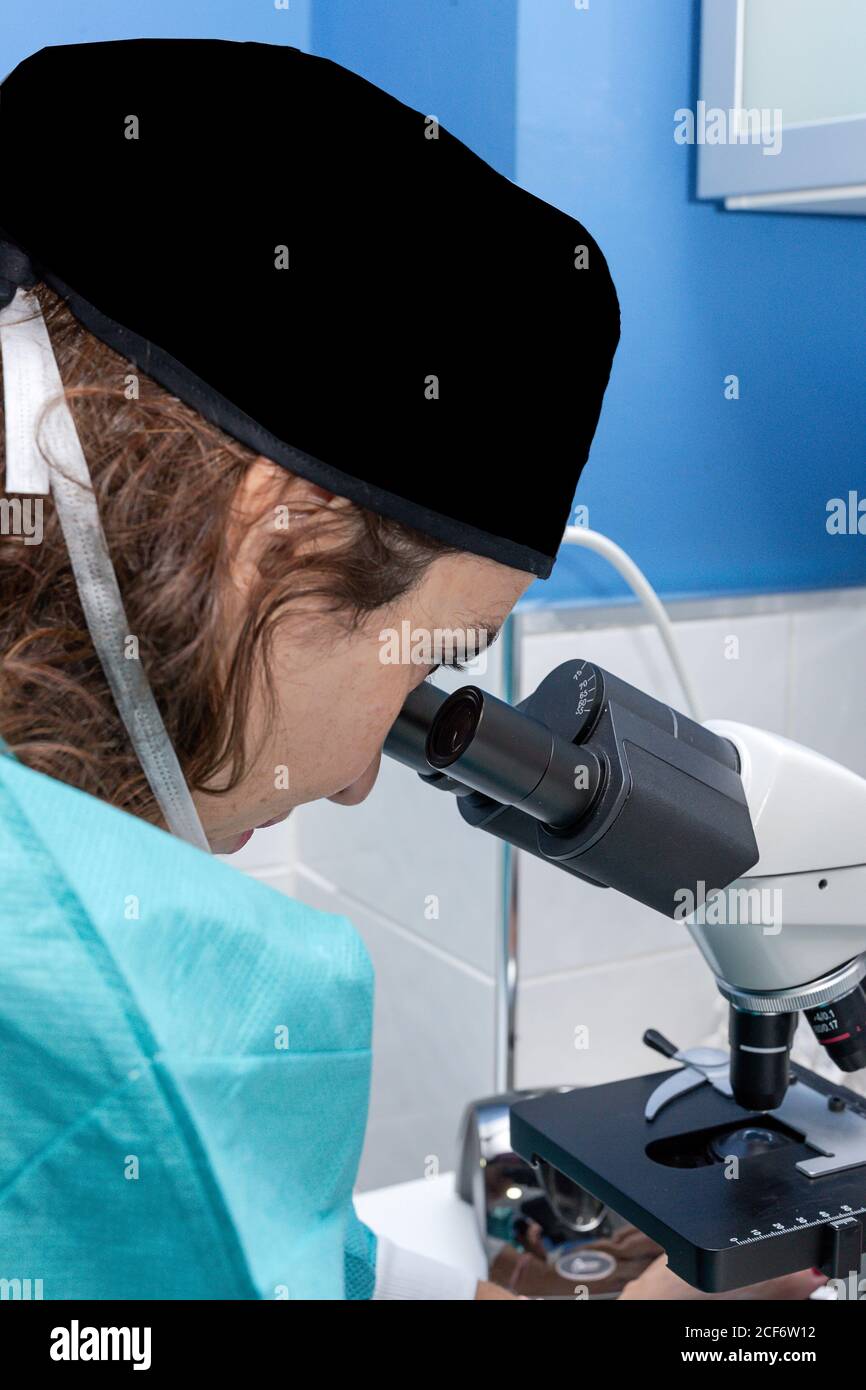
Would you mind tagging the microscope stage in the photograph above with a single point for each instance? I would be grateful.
(729, 1208)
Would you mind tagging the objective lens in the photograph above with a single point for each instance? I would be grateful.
(840, 1027)
(760, 1051)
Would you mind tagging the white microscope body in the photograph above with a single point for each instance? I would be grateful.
(790, 934)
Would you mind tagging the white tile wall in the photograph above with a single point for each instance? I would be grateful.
(738, 664)
(586, 957)
(407, 852)
(583, 1027)
(828, 683)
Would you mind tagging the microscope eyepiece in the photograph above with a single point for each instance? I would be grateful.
(507, 755)
(454, 729)
(407, 739)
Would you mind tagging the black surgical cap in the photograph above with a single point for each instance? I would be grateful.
(320, 271)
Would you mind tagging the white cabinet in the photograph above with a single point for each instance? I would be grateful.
(781, 122)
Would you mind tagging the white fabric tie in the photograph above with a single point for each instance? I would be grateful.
(31, 379)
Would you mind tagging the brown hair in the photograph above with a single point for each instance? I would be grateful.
(165, 480)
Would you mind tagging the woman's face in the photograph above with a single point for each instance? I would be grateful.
(337, 694)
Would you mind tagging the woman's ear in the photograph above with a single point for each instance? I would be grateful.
(266, 483)
(270, 498)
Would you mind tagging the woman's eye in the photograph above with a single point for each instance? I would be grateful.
(454, 665)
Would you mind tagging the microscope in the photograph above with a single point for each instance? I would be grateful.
(743, 1166)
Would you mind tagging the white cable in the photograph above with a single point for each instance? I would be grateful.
(643, 590)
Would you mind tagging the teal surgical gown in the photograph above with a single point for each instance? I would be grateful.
(184, 1067)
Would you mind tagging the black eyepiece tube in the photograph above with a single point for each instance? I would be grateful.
(407, 737)
(760, 1054)
(507, 755)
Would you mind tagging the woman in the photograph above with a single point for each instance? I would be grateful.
(265, 358)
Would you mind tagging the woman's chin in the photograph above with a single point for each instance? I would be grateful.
(233, 844)
(230, 844)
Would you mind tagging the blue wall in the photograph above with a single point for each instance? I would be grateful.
(708, 495)
(27, 28)
(454, 59)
